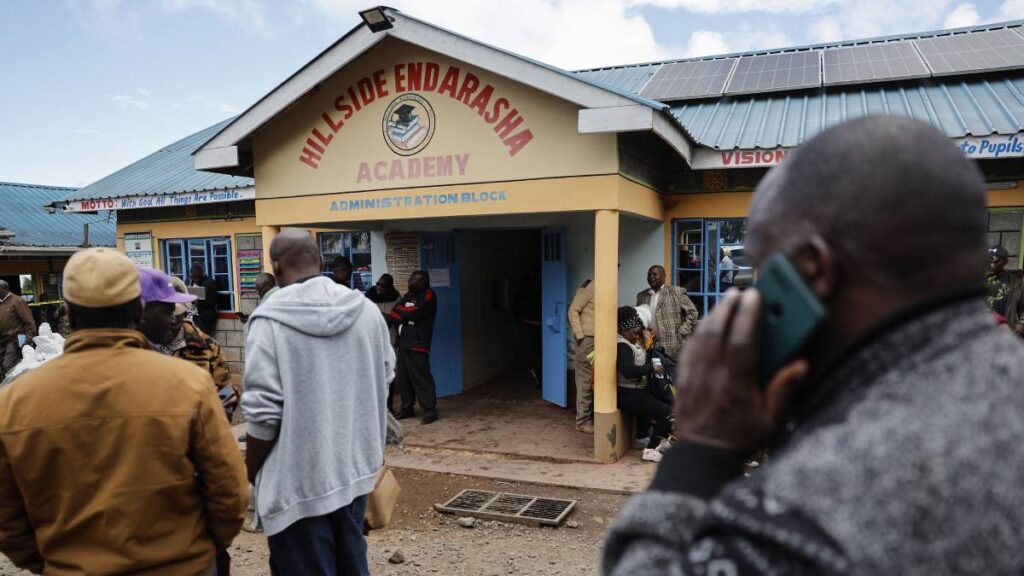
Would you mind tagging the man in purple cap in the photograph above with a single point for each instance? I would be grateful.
(161, 327)
(159, 296)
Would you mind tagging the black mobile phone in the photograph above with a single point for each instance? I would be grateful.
(790, 315)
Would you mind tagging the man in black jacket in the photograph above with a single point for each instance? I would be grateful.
(206, 306)
(891, 436)
(414, 314)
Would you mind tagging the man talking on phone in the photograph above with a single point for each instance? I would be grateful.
(893, 428)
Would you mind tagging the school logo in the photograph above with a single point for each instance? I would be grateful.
(408, 124)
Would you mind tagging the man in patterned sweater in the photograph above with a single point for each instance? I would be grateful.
(896, 438)
(673, 315)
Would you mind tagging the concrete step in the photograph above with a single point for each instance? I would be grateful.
(627, 476)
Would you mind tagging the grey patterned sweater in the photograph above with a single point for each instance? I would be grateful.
(908, 460)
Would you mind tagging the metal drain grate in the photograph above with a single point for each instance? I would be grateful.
(509, 507)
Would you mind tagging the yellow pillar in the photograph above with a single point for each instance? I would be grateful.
(268, 233)
(611, 438)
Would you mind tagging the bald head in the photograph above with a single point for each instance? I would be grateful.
(264, 283)
(899, 205)
(294, 256)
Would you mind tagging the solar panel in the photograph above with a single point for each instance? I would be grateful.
(893, 61)
(766, 72)
(696, 79)
(990, 50)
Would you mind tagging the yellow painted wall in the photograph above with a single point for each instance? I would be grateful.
(737, 205)
(556, 148)
(1007, 198)
(192, 229)
(33, 266)
(523, 197)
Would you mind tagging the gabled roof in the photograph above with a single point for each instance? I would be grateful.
(229, 148)
(34, 226)
(169, 170)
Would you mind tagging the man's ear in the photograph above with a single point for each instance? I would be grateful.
(140, 315)
(276, 268)
(818, 265)
(72, 321)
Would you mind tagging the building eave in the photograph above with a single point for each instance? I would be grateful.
(225, 151)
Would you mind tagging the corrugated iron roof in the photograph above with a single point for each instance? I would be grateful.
(169, 170)
(630, 79)
(959, 107)
(24, 215)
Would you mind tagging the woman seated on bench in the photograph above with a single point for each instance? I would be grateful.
(634, 369)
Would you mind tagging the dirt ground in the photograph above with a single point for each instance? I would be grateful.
(434, 543)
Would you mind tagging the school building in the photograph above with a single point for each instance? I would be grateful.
(37, 240)
(404, 145)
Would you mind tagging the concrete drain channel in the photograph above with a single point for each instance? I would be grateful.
(533, 510)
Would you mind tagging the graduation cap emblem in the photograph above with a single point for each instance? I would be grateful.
(408, 124)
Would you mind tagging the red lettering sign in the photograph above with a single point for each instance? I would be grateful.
(461, 86)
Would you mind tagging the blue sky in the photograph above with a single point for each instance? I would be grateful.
(92, 85)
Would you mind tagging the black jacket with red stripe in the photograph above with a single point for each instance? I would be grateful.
(415, 314)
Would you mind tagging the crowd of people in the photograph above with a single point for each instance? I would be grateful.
(650, 337)
(138, 471)
(892, 435)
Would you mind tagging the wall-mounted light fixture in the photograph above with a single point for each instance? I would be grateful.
(376, 19)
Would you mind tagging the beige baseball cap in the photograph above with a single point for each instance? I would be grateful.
(100, 278)
(179, 286)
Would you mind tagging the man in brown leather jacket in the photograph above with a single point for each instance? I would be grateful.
(114, 458)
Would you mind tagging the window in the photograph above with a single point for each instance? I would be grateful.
(353, 245)
(709, 258)
(178, 256)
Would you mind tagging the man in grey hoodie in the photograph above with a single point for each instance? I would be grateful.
(318, 365)
(896, 440)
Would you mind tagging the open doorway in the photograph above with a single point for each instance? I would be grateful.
(500, 293)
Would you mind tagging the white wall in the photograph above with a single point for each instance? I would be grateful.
(378, 254)
(641, 245)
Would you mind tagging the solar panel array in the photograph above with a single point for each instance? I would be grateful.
(991, 50)
(696, 79)
(983, 51)
(895, 61)
(768, 72)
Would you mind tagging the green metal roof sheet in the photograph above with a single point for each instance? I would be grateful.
(630, 79)
(169, 170)
(32, 225)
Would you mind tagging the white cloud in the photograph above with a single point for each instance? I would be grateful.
(962, 15)
(826, 30)
(1010, 10)
(109, 18)
(567, 33)
(706, 43)
(129, 102)
(739, 6)
(246, 12)
(760, 37)
(88, 131)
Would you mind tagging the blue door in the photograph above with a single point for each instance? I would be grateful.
(439, 257)
(553, 278)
